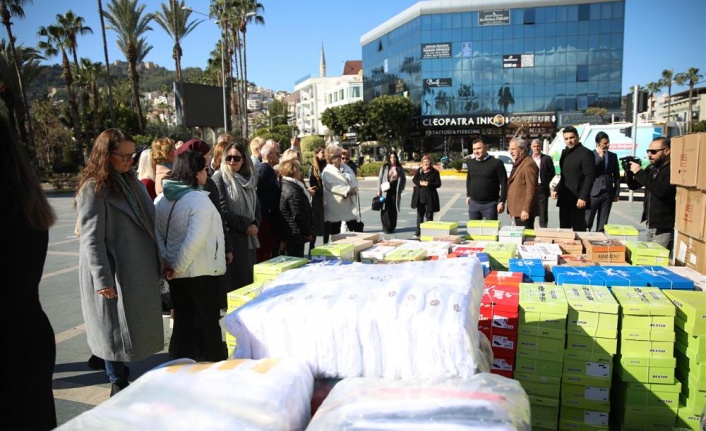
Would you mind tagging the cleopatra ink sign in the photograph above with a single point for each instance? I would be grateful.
(460, 121)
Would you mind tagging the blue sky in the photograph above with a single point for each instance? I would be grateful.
(659, 34)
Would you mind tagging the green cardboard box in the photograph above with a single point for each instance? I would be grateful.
(434, 228)
(544, 411)
(540, 355)
(589, 397)
(538, 331)
(543, 298)
(646, 335)
(597, 325)
(691, 308)
(483, 227)
(405, 255)
(625, 232)
(688, 419)
(639, 421)
(577, 379)
(640, 260)
(544, 344)
(688, 366)
(271, 268)
(697, 344)
(538, 378)
(501, 250)
(536, 366)
(633, 369)
(647, 323)
(540, 389)
(476, 237)
(582, 342)
(565, 425)
(653, 349)
(693, 354)
(542, 320)
(644, 301)
(600, 367)
(596, 299)
(334, 251)
(652, 395)
(643, 248)
(584, 416)
(692, 397)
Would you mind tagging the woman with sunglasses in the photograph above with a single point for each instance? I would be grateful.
(191, 241)
(119, 265)
(237, 185)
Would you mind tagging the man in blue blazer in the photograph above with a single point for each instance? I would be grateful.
(606, 188)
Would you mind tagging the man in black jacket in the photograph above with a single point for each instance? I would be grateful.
(606, 188)
(486, 184)
(546, 173)
(573, 192)
(660, 195)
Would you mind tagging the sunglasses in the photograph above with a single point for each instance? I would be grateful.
(124, 157)
(344, 158)
(653, 152)
(233, 158)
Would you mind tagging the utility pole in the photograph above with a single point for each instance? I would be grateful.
(635, 90)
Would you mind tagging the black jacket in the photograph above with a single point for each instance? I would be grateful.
(429, 192)
(294, 207)
(607, 180)
(546, 171)
(660, 195)
(577, 175)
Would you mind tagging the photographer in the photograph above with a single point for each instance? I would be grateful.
(660, 196)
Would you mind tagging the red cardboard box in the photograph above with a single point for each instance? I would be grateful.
(503, 362)
(499, 314)
(503, 278)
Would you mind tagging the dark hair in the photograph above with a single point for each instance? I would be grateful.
(666, 142)
(479, 139)
(601, 136)
(571, 129)
(20, 191)
(246, 169)
(187, 166)
(98, 165)
(390, 154)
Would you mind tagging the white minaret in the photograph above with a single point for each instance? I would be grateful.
(322, 63)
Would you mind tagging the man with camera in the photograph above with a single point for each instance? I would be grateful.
(660, 195)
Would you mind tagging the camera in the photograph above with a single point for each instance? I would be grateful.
(625, 162)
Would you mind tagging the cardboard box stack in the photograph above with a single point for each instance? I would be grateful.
(621, 232)
(512, 234)
(592, 332)
(532, 269)
(271, 268)
(688, 153)
(431, 229)
(498, 320)
(500, 255)
(646, 253)
(538, 361)
(646, 394)
(236, 299)
(659, 276)
(545, 234)
(606, 251)
(483, 230)
(334, 251)
(690, 349)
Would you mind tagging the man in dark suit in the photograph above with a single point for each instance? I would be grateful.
(573, 192)
(606, 188)
(546, 173)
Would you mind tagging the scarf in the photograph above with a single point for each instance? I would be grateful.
(392, 173)
(242, 200)
(517, 163)
(128, 189)
(300, 184)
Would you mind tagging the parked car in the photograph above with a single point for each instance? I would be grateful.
(504, 157)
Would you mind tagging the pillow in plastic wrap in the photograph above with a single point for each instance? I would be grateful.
(485, 402)
(267, 394)
(417, 319)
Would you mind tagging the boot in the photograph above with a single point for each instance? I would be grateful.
(96, 363)
(118, 386)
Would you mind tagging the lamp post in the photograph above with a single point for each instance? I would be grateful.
(223, 69)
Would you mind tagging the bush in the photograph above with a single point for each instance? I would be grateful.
(370, 169)
(456, 164)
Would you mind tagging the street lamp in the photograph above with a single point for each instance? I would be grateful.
(223, 68)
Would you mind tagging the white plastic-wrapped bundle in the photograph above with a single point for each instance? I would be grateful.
(266, 394)
(417, 319)
(486, 402)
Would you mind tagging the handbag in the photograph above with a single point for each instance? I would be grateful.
(377, 205)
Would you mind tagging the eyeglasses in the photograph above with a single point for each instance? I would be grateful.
(653, 152)
(124, 157)
(233, 158)
(344, 157)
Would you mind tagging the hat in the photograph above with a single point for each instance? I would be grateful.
(194, 145)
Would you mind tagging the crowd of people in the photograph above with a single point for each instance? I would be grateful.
(199, 218)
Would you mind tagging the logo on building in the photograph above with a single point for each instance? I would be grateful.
(437, 82)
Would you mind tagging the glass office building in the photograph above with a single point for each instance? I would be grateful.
(493, 67)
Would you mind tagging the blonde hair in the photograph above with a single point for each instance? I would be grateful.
(160, 150)
(255, 145)
(290, 154)
(218, 151)
(331, 151)
(145, 167)
(290, 168)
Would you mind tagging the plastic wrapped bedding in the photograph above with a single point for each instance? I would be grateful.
(267, 394)
(486, 402)
(417, 319)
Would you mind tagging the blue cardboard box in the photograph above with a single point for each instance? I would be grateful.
(577, 275)
(530, 267)
(621, 276)
(659, 276)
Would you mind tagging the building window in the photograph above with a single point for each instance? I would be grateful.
(340, 94)
(529, 16)
(355, 92)
(582, 73)
(584, 12)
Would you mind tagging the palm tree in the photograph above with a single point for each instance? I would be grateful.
(30, 68)
(691, 76)
(56, 43)
(666, 81)
(91, 72)
(174, 20)
(73, 26)
(250, 14)
(127, 20)
(8, 10)
(652, 89)
(107, 66)
(441, 101)
(505, 98)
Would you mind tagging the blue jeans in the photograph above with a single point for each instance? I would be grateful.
(115, 371)
(482, 210)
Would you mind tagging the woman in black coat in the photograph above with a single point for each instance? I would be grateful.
(425, 198)
(391, 181)
(298, 222)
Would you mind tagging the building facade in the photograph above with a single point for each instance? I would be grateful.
(496, 68)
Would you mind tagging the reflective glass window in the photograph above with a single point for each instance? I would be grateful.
(529, 16)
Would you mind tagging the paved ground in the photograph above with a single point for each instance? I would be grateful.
(77, 388)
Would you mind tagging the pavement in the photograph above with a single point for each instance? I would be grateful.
(77, 388)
